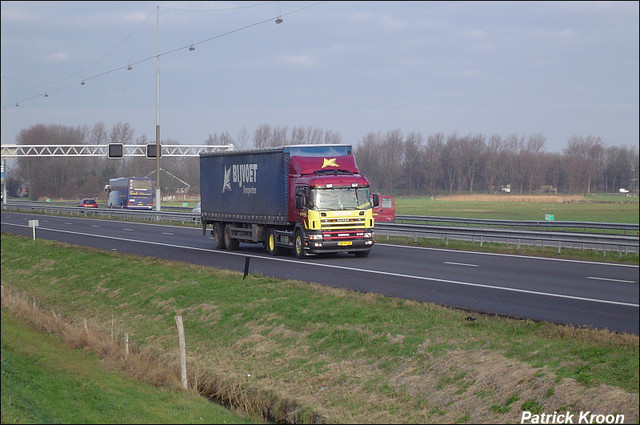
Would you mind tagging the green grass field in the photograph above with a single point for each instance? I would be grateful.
(609, 209)
(309, 353)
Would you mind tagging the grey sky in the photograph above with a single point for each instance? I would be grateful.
(560, 69)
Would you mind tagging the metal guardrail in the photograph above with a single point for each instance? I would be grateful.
(519, 223)
(109, 213)
(606, 242)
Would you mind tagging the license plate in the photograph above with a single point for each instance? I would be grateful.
(344, 243)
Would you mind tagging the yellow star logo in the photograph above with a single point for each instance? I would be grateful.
(329, 163)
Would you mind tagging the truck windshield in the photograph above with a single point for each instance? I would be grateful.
(339, 198)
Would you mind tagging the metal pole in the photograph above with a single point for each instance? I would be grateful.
(158, 198)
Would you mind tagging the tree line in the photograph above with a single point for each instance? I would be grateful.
(470, 163)
(393, 162)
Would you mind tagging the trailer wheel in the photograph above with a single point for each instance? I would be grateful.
(298, 245)
(218, 235)
(271, 247)
(229, 242)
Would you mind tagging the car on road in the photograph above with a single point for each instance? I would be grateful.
(88, 203)
(196, 209)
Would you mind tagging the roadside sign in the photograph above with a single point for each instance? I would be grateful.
(33, 224)
(548, 217)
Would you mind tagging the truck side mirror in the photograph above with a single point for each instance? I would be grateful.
(376, 199)
(300, 200)
(107, 188)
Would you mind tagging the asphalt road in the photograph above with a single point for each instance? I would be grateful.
(588, 294)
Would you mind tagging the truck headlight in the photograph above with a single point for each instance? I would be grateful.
(368, 235)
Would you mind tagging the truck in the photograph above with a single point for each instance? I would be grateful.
(130, 192)
(384, 208)
(310, 199)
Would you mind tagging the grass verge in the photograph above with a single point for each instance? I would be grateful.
(296, 352)
(46, 381)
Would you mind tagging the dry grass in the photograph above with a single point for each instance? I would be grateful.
(484, 197)
(157, 367)
(452, 387)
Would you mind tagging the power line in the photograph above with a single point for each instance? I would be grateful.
(277, 19)
(222, 9)
(98, 60)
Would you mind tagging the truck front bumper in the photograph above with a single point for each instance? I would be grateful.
(318, 247)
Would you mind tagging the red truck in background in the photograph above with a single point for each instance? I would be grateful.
(384, 207)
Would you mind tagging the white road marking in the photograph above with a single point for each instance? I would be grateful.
(168, 234)
(461, 264)
(610, 280)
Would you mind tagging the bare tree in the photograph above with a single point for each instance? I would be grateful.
(242, 141)
(585, 161)
(331, 137)
(554, 169)
(212, 140)
(279, 137)
(619, 167)
(432, 160)
(491, 168)
(223, 139)
(98, 135)
(531, 162)
(450, 161)
(262, 136)
(53, 177)
(121, 133)
(412, 160)
(368, 156)
(471, 150)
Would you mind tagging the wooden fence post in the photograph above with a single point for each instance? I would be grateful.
(183, 352)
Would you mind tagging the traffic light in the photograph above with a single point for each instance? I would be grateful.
(151, 150)
(115, 151)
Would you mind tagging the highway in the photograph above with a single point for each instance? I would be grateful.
(579, 293)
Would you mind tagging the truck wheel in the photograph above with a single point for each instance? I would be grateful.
(218, 235)
(229, 242)
(298, 245)
(270, 246)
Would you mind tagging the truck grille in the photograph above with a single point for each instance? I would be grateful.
(342, 223)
